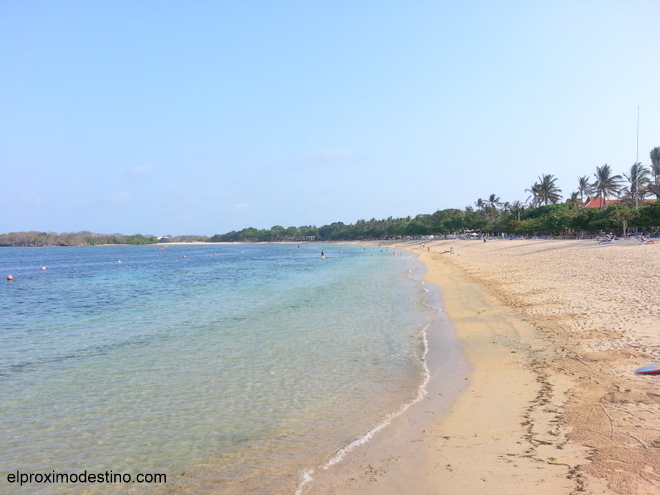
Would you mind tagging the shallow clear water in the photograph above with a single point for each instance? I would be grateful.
(230, 368)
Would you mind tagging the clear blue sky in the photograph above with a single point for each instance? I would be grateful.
(201, 117)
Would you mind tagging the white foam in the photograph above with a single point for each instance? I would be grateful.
(306, 477)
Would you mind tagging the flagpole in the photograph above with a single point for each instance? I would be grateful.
(637, 165)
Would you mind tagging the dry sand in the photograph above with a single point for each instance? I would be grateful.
(553, 331)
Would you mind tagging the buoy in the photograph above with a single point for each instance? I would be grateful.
(9, 277)
(119, 261)
(43, 267)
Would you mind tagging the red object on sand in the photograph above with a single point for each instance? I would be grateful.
(651, 369)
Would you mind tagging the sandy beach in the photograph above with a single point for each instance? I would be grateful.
(549, 404)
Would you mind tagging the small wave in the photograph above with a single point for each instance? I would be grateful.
(306, 476)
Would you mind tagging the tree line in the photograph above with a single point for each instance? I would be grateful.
(542, 213)
(565, 219)
(84, 238)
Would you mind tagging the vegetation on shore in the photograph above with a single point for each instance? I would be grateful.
(557, 220)
(33, 239)
(541, 214)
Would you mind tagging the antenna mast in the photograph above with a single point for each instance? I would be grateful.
(637, 165)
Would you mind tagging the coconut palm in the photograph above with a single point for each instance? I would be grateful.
(585, 188)
(480, 203)
(655, 170)
(575, 199)
(491, 209)
(534, 191)
(655, 164)
(606, 184)
(517, 208)
(545, 191)
(494, 201)
(638, 181)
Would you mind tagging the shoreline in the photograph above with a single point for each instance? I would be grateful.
(446, 375)
(553, 331)
(442, 357)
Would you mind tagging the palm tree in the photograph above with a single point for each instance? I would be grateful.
(494, 201)
(517, 208)
(585, 188)
(534, 190)
(655, 170)
(639, 181)
(492, 207)
(606, 184)
(575, 199)
(655, 164)
(545, 191)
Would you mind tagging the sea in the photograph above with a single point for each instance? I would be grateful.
(230, 369)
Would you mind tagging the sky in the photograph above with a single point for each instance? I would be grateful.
(203, 117)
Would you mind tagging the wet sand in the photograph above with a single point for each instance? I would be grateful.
(553, 331)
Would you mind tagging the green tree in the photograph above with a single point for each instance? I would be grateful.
(291, 233)
(492, 208)
(545, 191)
(517, 208)
(447, 221)
(638, 183)
(606, 184)
(140, 239)
(655, 164)
(585, 188)
(416, 227)
(649, 216)
(334, 231)
(622, 213)
(494, 201)
(277, 233)
(473, 220)
(575, 199)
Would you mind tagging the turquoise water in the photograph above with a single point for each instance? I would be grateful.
(229, 368)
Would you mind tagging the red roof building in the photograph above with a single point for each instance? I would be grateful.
(598, 202)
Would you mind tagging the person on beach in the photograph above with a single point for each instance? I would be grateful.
(451, 250)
